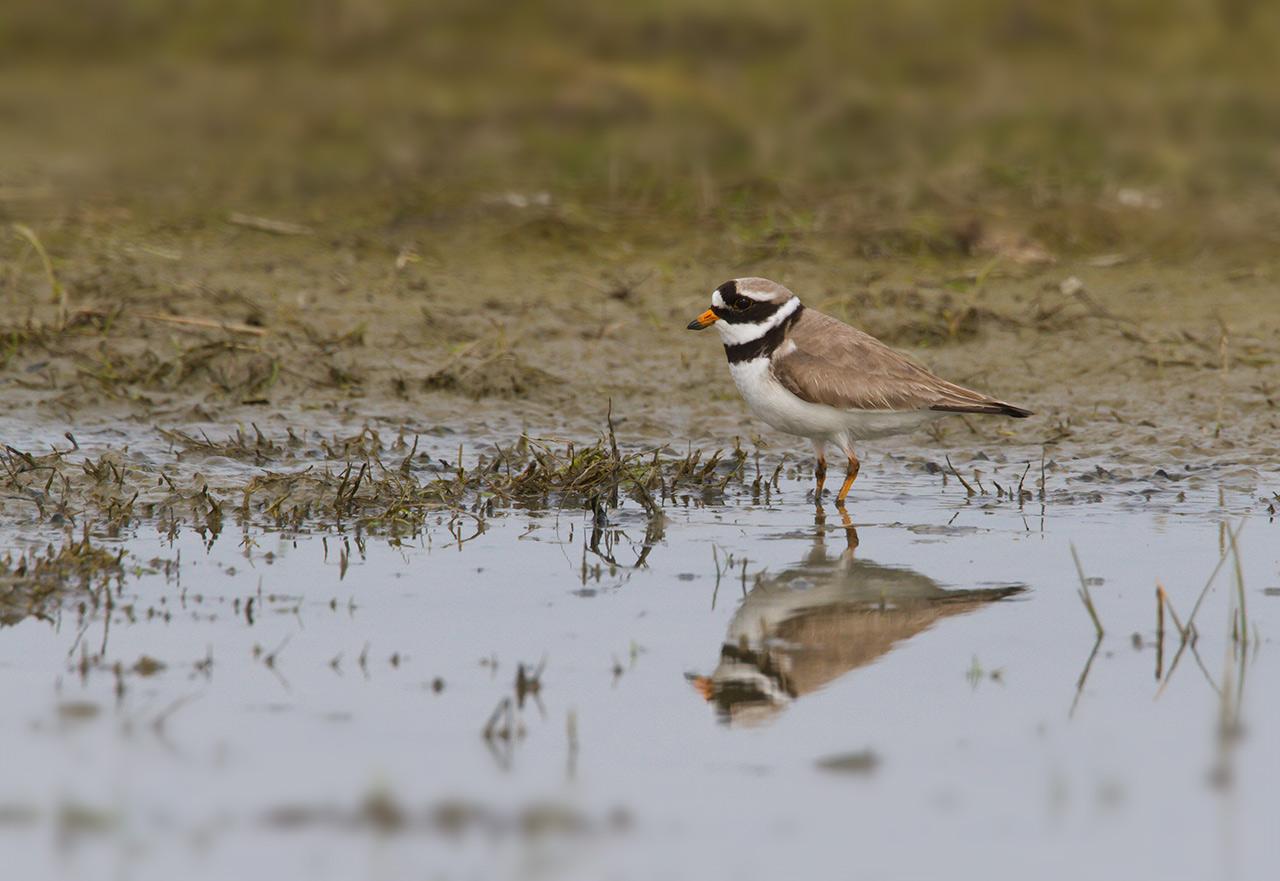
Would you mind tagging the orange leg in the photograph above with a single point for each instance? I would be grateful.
(850, 476)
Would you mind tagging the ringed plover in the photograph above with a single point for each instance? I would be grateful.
(811, 375)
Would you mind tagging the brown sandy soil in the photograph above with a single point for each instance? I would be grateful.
(234, 325)
(291, 247)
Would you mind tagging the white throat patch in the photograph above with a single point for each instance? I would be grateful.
(736, 334)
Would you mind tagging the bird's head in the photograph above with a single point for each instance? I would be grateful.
(742, 309)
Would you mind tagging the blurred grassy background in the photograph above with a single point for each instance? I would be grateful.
(866, 128)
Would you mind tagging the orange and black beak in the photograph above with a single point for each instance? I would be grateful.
(703, 685)
(706, 319)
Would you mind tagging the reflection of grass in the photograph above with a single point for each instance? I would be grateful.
(1240, 621)
(382, 488)
(977, 673)
(36, 582)
(1087, 599)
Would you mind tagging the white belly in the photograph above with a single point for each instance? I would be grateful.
(771, 402)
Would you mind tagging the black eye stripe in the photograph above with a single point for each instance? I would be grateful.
(757, 312)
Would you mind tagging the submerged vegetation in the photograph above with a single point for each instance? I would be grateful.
(361, 480)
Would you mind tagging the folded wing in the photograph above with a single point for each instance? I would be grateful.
(825, 361)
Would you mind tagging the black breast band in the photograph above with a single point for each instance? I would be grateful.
(764, 346)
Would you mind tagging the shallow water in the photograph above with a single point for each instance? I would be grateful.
(770, 694)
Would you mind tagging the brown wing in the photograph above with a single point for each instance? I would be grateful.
(832, 363)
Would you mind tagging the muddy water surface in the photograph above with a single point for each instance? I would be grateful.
(773, 691)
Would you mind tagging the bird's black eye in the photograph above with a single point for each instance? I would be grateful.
(742, 304)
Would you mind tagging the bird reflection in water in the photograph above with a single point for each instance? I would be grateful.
(809, 624)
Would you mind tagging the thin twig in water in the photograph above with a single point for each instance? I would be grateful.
(1214, 574)
(967, 488)
(1164, 597)
(1085, 597)
(1188, 641)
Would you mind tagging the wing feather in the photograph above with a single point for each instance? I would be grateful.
(829, 362)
